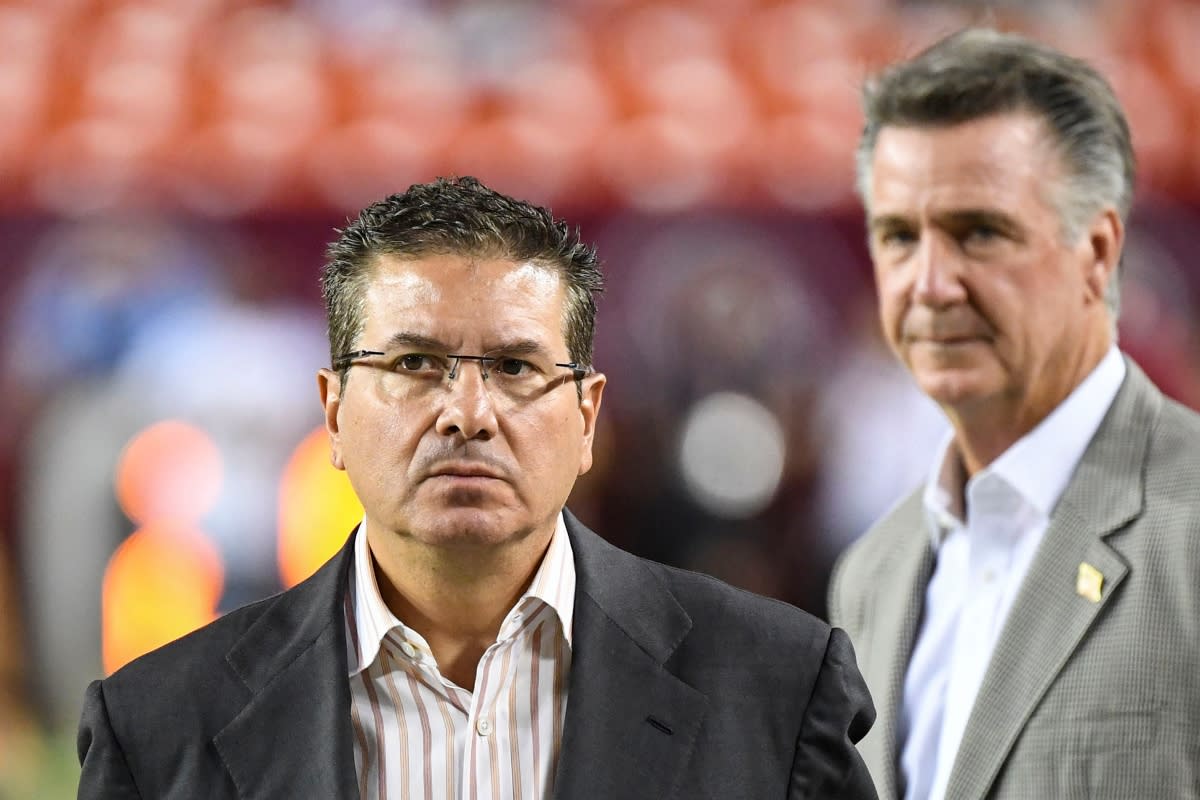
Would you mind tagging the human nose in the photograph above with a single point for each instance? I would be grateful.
(938, 279)
(468, 410)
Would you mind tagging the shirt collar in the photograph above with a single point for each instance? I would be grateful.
(1039, 465)
(370, 620)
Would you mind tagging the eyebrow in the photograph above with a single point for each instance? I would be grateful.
(889, 221)
(406, 339)
(520, 347)
(976, 216)
(957, 218)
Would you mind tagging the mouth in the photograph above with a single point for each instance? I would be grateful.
(466, 471)
(948, 341)
(951, 341)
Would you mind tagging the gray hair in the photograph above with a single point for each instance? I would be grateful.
(980, 72)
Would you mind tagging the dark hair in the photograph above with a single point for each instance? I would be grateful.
(458, 216)
(979, 72)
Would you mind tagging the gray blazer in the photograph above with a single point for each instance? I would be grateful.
(680, 687)
(1081, 699)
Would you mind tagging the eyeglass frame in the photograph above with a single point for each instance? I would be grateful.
(346, 360)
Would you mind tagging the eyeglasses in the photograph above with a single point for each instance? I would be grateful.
(409, 375)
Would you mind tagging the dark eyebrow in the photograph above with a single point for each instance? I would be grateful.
(520, 347)
(417, 341)
(972, 217)
(957, 219)
(407, 339)
(888, 222)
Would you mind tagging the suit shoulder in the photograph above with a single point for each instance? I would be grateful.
(1172, 477)
(863, 564)
(712, 601)
(736, 636)
(872, 551)
(1177, 432)
(194, 652)
(301, 612)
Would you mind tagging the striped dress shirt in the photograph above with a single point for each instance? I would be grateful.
(418, 736)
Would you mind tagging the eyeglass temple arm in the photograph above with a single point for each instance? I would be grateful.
(346, 358)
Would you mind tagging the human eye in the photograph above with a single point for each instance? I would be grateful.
(417, 364)
(982, 233)
(511, 367)
(985, 231)
(894, 237)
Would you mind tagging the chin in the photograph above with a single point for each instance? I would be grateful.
(947, 388)
(467, 527)
(470, 527)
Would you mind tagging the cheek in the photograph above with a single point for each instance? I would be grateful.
(550, 448)
(891, 312)
(382, 437)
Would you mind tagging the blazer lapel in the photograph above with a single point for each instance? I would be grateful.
(293, 737)
(630, 723)
(900, 599)
(1049, 618)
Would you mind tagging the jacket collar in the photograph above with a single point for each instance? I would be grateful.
(1049, 618)
(630, 723)
(293, 737)
(899, 596)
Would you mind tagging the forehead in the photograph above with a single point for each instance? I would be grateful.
(996, 161)
(463, 297)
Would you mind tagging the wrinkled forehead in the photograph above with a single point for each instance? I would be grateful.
(1006, 153)
(464, 293)
(419, 273)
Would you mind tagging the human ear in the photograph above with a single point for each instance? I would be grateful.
(329, 387)
(589, 407)
(1105, 237)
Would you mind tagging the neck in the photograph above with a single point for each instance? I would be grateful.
(982, 433)
(456, 599)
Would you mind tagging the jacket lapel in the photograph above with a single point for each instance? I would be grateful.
(1049, 618)
(900, 598)
(630, 723)
(293, 737)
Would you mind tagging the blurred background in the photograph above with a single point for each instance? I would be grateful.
(170, 171)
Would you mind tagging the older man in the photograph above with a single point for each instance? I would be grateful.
(473, 639)
(1029, 621)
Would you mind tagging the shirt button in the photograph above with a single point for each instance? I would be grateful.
(483, 727)
(408, 650)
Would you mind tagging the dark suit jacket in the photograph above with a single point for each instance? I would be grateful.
(752, 698)
(1083, 697)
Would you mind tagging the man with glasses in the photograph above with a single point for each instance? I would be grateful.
(473, 639)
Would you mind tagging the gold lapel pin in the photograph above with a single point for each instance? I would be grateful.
(1089, 582)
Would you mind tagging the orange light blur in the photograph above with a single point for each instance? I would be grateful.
(162, 582)
(171, 470)
(317, 509)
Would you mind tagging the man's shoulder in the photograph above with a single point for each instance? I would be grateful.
(195, 654)
(281, 620)
(865, 564)
(1156, 445)
(708, 598)
(1177, 434)
(610, 571)
(875, 549)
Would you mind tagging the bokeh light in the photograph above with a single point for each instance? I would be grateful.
(732, 454)
(171, 470)
(164, 581)
(317, 509)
